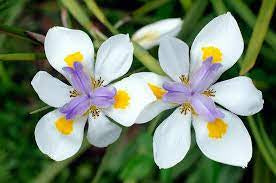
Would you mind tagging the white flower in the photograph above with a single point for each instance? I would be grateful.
(59, 133)
(220, 134)
(150, 35)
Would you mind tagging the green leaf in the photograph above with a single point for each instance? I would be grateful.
(22, 56)
(258, 35)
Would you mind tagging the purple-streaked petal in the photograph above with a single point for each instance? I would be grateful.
(204, 76)
(108, 92)
(79, 79)
(176, 87)
(175, 97)
(77, 106)
(205, 107)
(102, 102)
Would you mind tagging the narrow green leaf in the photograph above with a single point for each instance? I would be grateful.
(22, 56)
(218, 6)
(248, 16)
(192, 17)
(259, 32)
(261, 145)
(79, 14)
(40, 109)
(149, 6)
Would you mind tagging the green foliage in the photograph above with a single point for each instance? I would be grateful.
(130, 159)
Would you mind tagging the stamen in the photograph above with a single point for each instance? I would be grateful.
(94, 111)
(97, 83)
(74, 93)
(209, 93)
(184, 79)
(187, 107)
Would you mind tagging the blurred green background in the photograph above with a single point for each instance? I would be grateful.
(130, 159)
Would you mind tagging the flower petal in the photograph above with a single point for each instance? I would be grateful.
(223, 40)
(101, 131)
(150, 35)
(152, 110)
(239, 95)
(64, 46)
(114, 58)
(51, 90)
(54, 143)
(233, 148)
(132, 96)
(172, 139)
(174, 57)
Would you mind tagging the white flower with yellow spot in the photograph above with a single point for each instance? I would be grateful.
(91, 97)
(220, 134)
(150, 35)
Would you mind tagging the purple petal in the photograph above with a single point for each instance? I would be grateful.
(102, 102)
(79, 79)
(176, 87)
(205, 107)
(108, 92)
(77, 106)
(204, 76)
(175, 97)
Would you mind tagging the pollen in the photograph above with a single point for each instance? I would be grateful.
(157, 91)
(64, 126)
(74, 57)
(217, 128)
(122, 99)
(212, 51)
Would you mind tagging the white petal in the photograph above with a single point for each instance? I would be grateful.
(172, 139)
(174, 57)
(114, 58)
(152, 110)
(101, 131)
(150, 35)
(239, 95)
(61, 42)
(223, 33)
(55, 144)
(139, 96)
(51, 90)
(234, 148)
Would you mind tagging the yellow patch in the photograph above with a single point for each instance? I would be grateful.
(157, 91)
(217, 128)
(212, 51)
(74, 57)
(121, 99)
(64, 126)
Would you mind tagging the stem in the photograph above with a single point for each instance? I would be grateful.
(268, 159)
(22, 56)
(40, 109)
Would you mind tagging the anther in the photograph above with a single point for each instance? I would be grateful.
(184, 79)
(209, 93)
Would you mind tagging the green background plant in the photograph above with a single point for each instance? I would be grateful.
(130, 159)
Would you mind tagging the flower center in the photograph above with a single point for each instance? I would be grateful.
(193, 95)
(88, 96)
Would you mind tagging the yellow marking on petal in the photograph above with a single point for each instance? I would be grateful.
(148, 37)
(121, 99)
(212, 51)
(64, 126)
(157, 91)
(217, 128)
(74, 57)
